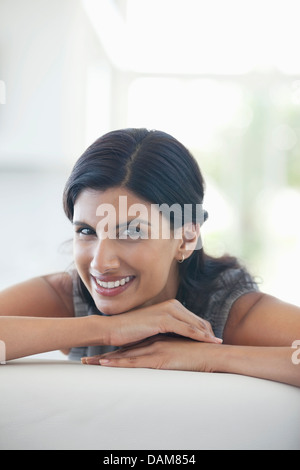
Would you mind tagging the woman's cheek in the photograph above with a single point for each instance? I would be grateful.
(82, 259)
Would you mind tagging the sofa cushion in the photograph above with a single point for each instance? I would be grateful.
(57, 404)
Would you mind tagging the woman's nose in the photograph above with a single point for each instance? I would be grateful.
(105, 257)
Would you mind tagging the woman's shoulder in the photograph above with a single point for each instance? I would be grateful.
(236, 277)
(229, 286)
(61, 284)
(49, 296)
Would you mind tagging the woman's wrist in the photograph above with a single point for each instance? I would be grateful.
(236, 359)
(94, 329)
(215, 357)
(271, 363)
(227, 358)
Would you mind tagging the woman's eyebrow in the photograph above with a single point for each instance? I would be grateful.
(123, 224)
(79, 223)
(135, 220)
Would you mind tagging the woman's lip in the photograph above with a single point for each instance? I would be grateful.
(112, 292)
(107, 278)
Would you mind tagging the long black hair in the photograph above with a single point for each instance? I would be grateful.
(159, 169)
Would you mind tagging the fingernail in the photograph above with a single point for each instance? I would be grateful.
(90, 361)
(104, 361)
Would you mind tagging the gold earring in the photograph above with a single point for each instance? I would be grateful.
(182, 259)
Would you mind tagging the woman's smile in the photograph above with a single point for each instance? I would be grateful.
(110, 286)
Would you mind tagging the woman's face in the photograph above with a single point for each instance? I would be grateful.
(122, 252)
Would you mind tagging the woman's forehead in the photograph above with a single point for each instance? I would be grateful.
(109, 196)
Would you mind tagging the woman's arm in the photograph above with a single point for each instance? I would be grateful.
(24, 336)
(260, 334)
(38, 316)
(44, 296)
(258, 319)
(272, 363)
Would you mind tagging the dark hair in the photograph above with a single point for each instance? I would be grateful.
(159, 169)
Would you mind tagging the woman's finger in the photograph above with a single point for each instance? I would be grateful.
(133, 361)
(193, 324)
(122, 352)
(190, 330)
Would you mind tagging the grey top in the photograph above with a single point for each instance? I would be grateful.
(229, 286)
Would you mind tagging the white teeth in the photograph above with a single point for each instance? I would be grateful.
(112, 284)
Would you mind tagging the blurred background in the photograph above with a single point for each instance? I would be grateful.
(221, 76)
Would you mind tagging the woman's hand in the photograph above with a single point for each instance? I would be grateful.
(163, 352)
(167, 317)
(160, 352)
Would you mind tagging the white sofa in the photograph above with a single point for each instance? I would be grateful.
(58, 404)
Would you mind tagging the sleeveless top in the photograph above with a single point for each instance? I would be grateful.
(229, 286)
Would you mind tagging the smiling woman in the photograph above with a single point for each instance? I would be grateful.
(149, 169)
(143, 292)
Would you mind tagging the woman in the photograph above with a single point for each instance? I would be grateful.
(143, 293)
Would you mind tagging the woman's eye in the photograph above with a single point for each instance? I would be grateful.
(134, 233)
(85, 231)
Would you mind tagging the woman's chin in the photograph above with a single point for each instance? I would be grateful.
(106, 310)
(111, 307)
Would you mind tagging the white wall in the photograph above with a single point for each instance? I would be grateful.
(56, 79)
(47, 50)
(62, 92)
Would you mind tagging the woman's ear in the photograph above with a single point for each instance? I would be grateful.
(190, 240)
